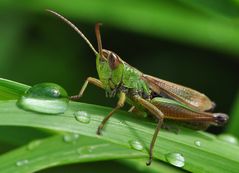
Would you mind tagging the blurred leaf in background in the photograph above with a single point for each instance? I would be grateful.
(194, 43)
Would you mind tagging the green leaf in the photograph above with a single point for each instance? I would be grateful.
(156, 167)
(215, 8)
(54, 151)
(19, 135)
(10, 90)
(59, 150)
(212, 156)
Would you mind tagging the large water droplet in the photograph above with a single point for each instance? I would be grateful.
(197, 143)
(47, 98)
(228, 138)
(175, 159)
(135, 144)
(22, 162)
(70, 138)
(34, 144)
(82, 117)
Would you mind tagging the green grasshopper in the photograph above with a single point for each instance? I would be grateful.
(145, 93)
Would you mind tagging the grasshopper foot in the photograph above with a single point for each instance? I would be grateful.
(75, 97)
(98, 132)
(148, 163)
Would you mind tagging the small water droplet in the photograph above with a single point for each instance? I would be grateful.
(197, 143)
(175, 159)
(34, 144)
(70, 138)
(82, 117)
(84, 150)
(136, 145)
(228, 138)
(22, 162)
(47, 98)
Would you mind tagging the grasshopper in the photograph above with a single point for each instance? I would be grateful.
(145, 93)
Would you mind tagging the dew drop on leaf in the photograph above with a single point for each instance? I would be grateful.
(22, 162)
(82, 117)
(84, 150)
(175, 159)
(46, 98)
(197, 143)
(34, 144)
(135, 144)
(228, 138)
(70, 138)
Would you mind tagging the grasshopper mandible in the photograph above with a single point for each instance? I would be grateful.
(160, 98)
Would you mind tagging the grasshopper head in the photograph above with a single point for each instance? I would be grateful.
(110, 67)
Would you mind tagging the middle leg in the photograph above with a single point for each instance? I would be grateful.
(120, 104)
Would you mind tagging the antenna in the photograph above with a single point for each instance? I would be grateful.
(75, 28)
(98, 37)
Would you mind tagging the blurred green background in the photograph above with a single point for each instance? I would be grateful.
(194, 43)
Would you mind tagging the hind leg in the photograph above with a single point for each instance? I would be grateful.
(158, 114)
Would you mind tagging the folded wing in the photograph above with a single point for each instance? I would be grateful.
(185, 95)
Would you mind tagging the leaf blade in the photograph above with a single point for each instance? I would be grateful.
(53, 151)
(11, 90)
(123, 127)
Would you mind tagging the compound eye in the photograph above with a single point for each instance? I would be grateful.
(113, 60)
